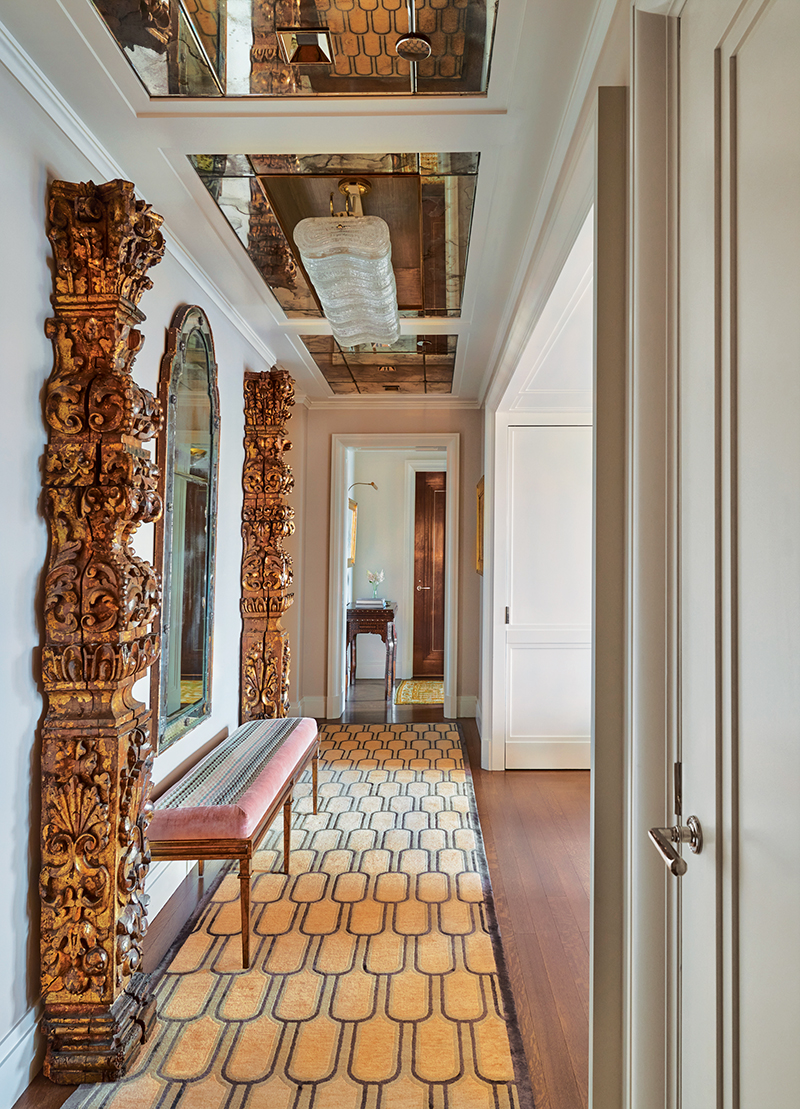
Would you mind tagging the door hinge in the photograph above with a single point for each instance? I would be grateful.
(507, 620)
(677, 787)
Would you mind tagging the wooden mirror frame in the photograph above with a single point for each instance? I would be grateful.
(188, 321)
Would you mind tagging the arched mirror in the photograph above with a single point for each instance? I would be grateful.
(187, 452)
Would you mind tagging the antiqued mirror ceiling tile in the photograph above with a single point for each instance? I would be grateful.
(278, 48)
(426, 200)
(414, 364)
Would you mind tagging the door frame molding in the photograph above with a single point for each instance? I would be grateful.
(337, 562)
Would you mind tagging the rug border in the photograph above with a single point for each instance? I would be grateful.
(522, 1075)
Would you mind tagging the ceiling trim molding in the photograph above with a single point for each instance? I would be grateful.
(394, 402)
(574, 132)
(24, 70)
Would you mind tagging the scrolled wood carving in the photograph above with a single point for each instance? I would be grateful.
(100, 602)
(266, 567)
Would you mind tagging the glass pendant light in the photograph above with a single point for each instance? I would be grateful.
(349, 261)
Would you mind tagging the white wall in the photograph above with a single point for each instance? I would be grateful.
(34, 152)
(551, 386)
(385, 542)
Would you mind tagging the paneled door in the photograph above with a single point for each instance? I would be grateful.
(430, 515)
(548, 617)
(736, 438)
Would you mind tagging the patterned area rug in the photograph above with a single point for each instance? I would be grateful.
(377, 977)
(420, 691)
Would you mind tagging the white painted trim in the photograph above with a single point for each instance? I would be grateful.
(50, 100)
(313, 706)
(428, 401)
(468, 707)
(544, 752)
(337, 594)
(412, 466)
(21, 1053)
(570, 170)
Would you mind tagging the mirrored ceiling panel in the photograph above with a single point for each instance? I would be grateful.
(425, 199)
(305, 47)
(414, 364)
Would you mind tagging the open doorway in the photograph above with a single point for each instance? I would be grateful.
(378, 475)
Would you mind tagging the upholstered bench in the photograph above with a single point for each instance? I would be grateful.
(223, 806)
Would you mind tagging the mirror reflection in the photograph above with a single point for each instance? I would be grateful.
(188, 447)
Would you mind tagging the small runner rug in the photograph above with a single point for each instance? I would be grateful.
(420, 691)
(377, 977)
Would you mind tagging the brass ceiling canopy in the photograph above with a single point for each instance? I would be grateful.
(305, 45)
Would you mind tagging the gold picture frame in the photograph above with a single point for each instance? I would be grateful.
(479, 527)
(353, 506)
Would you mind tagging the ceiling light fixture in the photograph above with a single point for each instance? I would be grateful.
(348, 257)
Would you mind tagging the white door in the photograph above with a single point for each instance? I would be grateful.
(737, 443)
(548, 633)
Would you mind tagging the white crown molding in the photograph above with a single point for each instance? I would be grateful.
(22, 67)
(573, 133)
(395, 401)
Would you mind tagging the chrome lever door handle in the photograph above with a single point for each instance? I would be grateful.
(663, 839)
(421, 587)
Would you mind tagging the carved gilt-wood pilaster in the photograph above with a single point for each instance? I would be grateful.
(100, 602)
(266, 567)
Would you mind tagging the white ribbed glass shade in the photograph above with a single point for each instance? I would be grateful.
(349, 260)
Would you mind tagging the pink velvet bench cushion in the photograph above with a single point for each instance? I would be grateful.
(226, 795)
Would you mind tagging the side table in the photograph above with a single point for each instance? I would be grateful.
(373, 621)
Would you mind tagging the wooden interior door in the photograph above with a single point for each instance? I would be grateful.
(429, 535)
(738, 553)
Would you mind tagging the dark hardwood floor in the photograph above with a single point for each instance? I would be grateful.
(536, 830)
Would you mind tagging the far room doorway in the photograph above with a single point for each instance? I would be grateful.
(399, 558)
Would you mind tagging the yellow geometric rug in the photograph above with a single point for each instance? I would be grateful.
(377, 978)
(420, 691)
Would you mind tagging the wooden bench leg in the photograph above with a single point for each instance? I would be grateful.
(200, 867)
(314, 777)
(244, 897)
(287, 832)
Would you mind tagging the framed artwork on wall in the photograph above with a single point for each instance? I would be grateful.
(351, 558)
(479, 528)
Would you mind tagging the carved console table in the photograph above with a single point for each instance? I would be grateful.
(374, 621)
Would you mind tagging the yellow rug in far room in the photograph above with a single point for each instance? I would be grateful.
(420, 691)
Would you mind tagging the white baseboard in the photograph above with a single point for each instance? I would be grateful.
(312, 706)
(467, 706)
(549, 753)
(21, 1054)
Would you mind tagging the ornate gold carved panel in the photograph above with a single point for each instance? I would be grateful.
(100, 602)
(266, 567)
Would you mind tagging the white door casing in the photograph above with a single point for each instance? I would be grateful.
(337, 562)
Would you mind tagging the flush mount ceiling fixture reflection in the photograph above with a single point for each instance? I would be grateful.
(348, 257)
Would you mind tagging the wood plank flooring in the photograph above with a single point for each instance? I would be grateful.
(536, 830)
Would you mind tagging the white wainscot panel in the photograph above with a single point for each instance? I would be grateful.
(550, 699)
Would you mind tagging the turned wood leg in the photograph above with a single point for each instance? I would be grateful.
(315, 777)
(287, 833)
(200, 867)
(244, 897)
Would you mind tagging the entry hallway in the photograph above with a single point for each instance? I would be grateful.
(536, 831)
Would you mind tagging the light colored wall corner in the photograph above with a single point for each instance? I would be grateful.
(479, 717)
(467, 707)
(21, 1054)
(313, 706)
